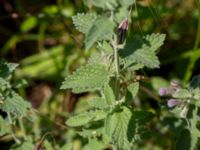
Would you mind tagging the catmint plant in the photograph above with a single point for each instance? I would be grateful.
(117, 56)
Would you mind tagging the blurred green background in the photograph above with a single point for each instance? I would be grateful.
(39, 35)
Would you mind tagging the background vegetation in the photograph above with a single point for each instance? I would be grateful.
(41, 38)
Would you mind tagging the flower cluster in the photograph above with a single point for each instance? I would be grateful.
(175, 101)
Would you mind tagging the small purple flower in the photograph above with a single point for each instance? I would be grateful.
(172, 103)
(163, 91)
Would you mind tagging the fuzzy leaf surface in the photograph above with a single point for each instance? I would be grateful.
(87, 78)
(182, 93)
(108, 4)
(15, 104)
(142, 51)
(27, 145)
(126, 3)
(120, 128)
(154, 41)
(6, 69)
(98, 102)
(83, 22)
(4, 127)
(109, 95)
(101, 30)
(86, 117)
(132, 91)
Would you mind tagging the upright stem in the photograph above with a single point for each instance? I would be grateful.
(116, 61)
(22, 128)
(12, 133)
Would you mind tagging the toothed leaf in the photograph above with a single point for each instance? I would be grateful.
(88, 78)
(83, 22)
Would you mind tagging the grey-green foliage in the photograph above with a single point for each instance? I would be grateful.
(142, 50)
(83, 22)
(28, 144)
(6, 69)
(11, 102)
(86, 117)
(4, 126)
(109, 4)
(15, 104)
(109, 114)
(87, 78)
(120, 127)
(102, 29)
(94, 27)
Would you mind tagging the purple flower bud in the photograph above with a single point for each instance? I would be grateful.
(172, 103)
(122, 30)
(163, 91)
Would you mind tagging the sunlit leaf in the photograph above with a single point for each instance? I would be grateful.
(83, 22)
(86, 117)
(28, 24)
(101, 29)
(87, 78)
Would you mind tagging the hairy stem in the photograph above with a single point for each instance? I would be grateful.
(22, 128)
(116, 61)
(12, 133)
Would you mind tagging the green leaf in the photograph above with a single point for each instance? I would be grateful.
(28, 24)
(158, 82)
(142, 117)
(15, 104)
(83, 22)
(48, 145)
(4, 127)
(126, 3)
(67, 146)
(4, 84)
(109, 95)
(146, 58)
(182, 93)
(92, 130)
(101, 30)
(195, 135)
(86, 117)
(94, 144)
(6, 69)
(154, 41)
(196, 95)
(27, 145)
(119, 127)
(132, 91)
(20, 83)
(108, 4)
(98, 102)
(121, 14)
(88, 78)
(106, 47)
(142, 51)
(184, 140)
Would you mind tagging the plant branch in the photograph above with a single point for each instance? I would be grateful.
(116, 61)
(12, 133)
